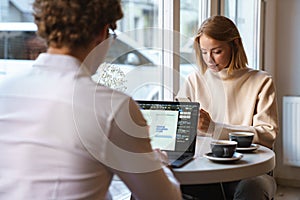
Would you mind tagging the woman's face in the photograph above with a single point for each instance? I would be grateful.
(216, 54)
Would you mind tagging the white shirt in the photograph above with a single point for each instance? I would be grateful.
(63, 136)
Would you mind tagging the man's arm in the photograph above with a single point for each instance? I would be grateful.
(136, 163)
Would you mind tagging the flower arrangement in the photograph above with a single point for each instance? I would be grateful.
(111, 76)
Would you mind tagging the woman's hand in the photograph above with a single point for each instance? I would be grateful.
(162, 156)
(205, 123)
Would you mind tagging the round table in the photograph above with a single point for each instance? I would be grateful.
(202, 170)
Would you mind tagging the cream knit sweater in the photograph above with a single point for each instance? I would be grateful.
(242, 101)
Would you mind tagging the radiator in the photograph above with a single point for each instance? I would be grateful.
(291, 130)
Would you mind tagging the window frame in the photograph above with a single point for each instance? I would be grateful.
(258, 50)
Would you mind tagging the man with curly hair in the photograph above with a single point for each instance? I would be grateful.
(62, 135)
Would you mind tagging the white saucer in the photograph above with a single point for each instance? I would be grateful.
(236, 156)
(253, 147)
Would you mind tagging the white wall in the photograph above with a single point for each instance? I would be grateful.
(287, 74)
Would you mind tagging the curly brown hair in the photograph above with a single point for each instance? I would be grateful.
(74, 23)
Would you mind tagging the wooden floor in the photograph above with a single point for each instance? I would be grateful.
(287, 193)
(119, 191)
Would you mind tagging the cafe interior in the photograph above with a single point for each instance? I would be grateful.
(270, 30)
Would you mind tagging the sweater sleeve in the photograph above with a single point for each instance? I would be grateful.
(186, 91)
(265, 119)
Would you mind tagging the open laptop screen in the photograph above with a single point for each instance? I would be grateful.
(173, 125)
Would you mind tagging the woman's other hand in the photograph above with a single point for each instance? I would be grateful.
(205, 123)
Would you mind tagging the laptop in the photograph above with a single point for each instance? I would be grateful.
(173, 128)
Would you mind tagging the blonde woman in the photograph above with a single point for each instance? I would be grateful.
(233, 97)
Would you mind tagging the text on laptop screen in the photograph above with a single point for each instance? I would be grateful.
(171, 124)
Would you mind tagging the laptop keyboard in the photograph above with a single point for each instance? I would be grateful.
(182, 157)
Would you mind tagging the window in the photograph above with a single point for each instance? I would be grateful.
(247, 16)
(154, 47)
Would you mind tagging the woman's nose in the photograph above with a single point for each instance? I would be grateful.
(210, 58)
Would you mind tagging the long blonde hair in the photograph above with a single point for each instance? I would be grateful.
(222, 29)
